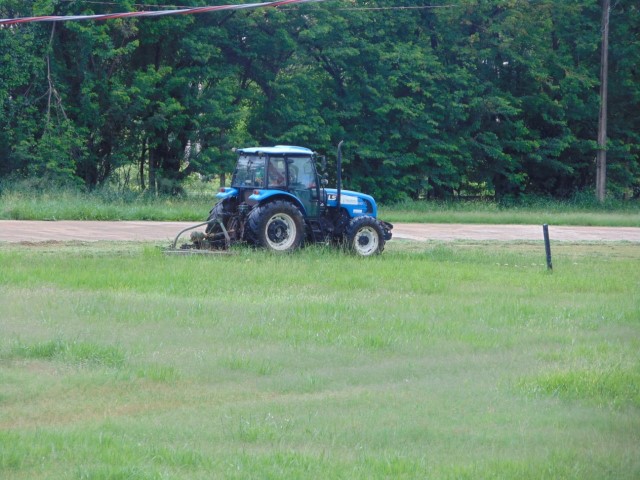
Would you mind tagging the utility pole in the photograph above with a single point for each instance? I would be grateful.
(601, 157)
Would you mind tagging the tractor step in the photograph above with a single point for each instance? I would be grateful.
(316, 231)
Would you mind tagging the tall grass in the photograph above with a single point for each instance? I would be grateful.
(65, 203)
(431, 361)
(580, 210)
(28, 201)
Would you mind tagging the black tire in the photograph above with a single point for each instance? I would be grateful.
(219, 212)
(364, 236)
(277, 226)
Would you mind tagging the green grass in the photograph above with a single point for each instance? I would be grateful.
(69, 351)
(71, 204)
(431, 361)
(532, 212)
(68, 204)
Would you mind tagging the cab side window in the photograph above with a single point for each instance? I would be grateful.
(302, 173)
(277, 172)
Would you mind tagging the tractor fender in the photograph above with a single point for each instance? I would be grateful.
(226, 192)
(266, 196)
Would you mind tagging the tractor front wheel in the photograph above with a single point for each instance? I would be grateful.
(277, 226)
(364, 236)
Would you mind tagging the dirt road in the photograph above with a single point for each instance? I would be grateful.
(42, 231)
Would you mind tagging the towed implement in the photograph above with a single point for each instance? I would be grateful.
(278, 201)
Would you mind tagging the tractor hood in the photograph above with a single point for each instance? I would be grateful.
(355, 203)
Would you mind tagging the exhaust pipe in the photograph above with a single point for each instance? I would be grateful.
(339, 174)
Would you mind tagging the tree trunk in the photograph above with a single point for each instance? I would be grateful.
(152, 170)
(601, 157)
(141, 161)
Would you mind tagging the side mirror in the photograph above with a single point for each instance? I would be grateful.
(324, 182)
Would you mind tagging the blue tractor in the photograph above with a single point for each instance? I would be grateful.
(278, 201)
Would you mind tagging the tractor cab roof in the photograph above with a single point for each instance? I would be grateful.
(277, 150)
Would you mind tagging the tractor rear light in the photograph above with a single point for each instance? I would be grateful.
(256, 192)
(222, 189)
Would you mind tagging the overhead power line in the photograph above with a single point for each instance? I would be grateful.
(414, 7)
(137, 5)
(146, 5)
(151, 13)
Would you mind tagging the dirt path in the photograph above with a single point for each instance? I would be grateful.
(39, 231)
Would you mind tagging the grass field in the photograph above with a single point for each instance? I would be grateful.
(61, 204)
(616, 214)
(464, 360)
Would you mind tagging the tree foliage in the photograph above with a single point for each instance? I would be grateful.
(483, 96)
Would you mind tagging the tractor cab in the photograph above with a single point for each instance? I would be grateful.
(265, 171)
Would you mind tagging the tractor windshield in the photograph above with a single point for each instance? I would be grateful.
(249, 171)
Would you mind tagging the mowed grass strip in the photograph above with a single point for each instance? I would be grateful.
(430, 361)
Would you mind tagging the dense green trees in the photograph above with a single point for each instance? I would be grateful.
(481, 96)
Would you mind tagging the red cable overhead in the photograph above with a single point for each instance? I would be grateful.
(150, 13)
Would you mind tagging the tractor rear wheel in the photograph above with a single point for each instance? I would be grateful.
(364, 236)
(277, 226)
(222, 212)
(217, 213)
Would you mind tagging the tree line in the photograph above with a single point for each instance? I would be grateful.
(467, 97)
